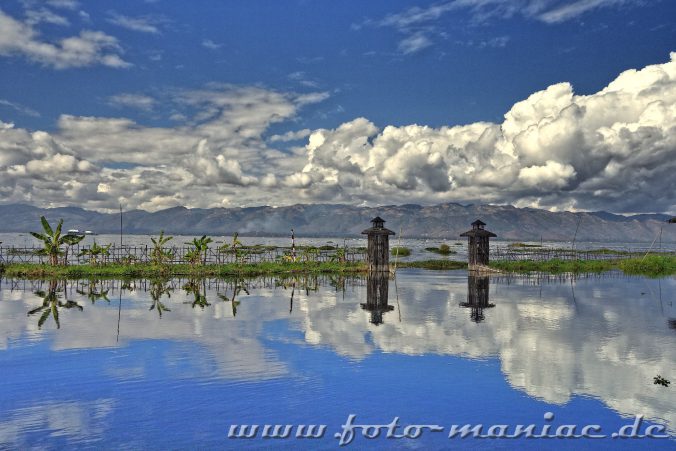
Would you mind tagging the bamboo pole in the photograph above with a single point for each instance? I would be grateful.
(396, 255)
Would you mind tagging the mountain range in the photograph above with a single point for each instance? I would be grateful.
(329, 220)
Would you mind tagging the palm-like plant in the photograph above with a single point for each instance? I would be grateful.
(235, 245)
(157, 290)
(232, 246)
(339, 256)
(53, 240)
(158, 255)
(51, 304)
(199, 250)
(95, 251)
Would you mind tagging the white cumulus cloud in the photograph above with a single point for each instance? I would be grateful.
(88, 48)
(614, 149)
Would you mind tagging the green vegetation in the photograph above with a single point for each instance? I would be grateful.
(518, 245)
(400, 251)
(53, 240)
(434, 264)
(159, 255)
(95, 252)
(29, 270)
(198, 254)
(15, 251)
(339, 256)
(234, 248)
(444, 249)
(521, 247)
(651, 265)
(606, 251)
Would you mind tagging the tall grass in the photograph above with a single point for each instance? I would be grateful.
(651, 265)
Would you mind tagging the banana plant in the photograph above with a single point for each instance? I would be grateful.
(159, 255)
(51, 304)
(339, 256)
(198, 254)
(53, 240)
(94, 252)
(232, 246)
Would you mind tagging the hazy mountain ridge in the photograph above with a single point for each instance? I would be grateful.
(438, 221)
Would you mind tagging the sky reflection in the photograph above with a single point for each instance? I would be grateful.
(603, 338)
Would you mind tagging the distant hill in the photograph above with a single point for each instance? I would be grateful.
(438, 221)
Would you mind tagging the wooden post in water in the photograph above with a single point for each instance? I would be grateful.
(478, 245)
(120, 227)
(378, 250)
(293, 245)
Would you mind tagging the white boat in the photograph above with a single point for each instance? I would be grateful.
(75, 232)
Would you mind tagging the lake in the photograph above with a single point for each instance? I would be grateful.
(176, 364)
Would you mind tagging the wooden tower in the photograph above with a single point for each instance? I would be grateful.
(378, 250)
(478, 246)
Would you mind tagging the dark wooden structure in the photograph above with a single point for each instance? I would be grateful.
(478, 246)
(477, 297)
(378, 250)
(377, 292)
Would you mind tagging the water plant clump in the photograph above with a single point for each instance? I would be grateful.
(441, 264)
(443, 249)
(400, 251)
(519, 245)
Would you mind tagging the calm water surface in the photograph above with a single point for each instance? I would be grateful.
(173, 364)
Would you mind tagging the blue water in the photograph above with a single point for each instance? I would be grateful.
(585, 350)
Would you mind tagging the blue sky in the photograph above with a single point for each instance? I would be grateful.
(165, 75)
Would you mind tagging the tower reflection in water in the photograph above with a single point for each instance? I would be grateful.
(477, 297)
(377, 291)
